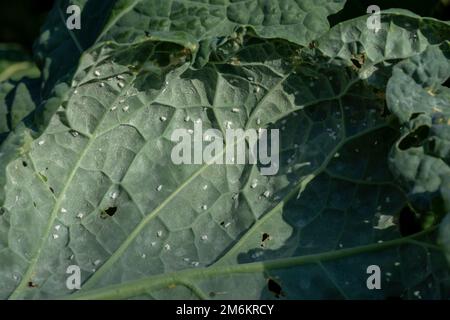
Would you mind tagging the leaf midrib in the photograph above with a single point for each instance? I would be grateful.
(136, 287)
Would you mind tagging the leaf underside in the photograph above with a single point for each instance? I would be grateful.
(88, 178)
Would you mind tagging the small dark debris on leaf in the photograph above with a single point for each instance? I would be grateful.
(51, 189)
(313, 44)
(31, 284)
(25, 164)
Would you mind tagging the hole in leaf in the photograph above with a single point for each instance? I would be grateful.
(414, 139)
(265, 237)
(25, 164)
(409, 222)
(447, 83)
(415, 115)
(356, 63)
(108, 212)
(275, 288)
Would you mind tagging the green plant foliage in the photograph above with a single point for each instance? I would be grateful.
(87, 178)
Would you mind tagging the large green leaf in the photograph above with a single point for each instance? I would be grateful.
(197, 25)
(98, 189)
(402, 35)
(108, 146)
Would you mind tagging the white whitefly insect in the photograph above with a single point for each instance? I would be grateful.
(120, 77)
(153, 244)
(254, 184)
(113, 108)
(114, 195)
(266, 194)
(63, 210)
(120, 84)
(74, 133)
(235, 196)
(235, 110)
(195, 263)
(397, 264)
(187, 118)
(204, 237)
(102, 84)
(143, 256)
(158, 188)
(80, 215)
(250, 78)
(97, 262)
(227, 224)
(204, 207)
(75, 92)
(126, 108)
(162, 118)
(257, 89)
(186, 259)
(258, 121)
(121, 100)
(55, 236)
(384, 222)
(198, 120)
(228, 124)
(388, 274)
(190, 131)
(41, 142)
(159, 233)
(57, 227)
(205, 187)
(97, 73)
(167, 246)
